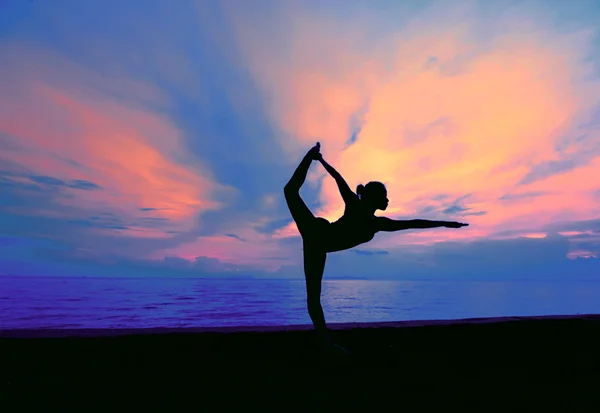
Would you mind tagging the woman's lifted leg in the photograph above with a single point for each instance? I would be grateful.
(303, 217)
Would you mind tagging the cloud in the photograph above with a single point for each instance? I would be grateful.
(236, 237)
(76, 183)
(158, 122)
(369, 252)
(451, 100)
(66, 134)
(547, 258)
(492, 260)
(38, 257)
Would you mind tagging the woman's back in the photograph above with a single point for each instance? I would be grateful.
(355, 227)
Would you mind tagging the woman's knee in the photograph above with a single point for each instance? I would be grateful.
(290, 188)
(313, 302)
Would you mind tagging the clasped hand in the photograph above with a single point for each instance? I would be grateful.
(455, 225)
(315, 152)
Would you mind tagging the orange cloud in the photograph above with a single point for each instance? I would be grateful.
(441, 111)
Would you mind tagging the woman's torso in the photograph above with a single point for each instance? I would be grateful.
(355, 227)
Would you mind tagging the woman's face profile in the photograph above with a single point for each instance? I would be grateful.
(378, 198)
(384, 201)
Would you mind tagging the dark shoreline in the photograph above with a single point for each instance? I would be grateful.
(114, 332)
(518, 363)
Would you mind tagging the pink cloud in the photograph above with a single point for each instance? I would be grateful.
(65, 122)
(582, 254)
(252, 248)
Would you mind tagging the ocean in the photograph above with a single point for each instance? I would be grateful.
(32, 302)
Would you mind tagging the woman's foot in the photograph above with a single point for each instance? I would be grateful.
(329, 347)
(315, 152)
(339, 350)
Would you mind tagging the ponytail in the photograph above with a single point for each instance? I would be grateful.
(360, 190)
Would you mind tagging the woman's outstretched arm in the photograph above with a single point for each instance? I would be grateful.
(388, 224)
(347, 194)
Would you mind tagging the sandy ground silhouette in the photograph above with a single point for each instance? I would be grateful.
(546, 364)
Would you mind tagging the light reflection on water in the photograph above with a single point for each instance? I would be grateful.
(141, 303)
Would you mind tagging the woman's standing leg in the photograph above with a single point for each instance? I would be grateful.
(314, 267)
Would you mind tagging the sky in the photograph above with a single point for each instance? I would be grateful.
(154, 138)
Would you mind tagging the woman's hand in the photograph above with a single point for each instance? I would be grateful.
(455, 225)
(315, 152)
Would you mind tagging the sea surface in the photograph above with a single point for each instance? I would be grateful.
(28, 302)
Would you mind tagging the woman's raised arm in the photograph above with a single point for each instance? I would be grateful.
(347, 194)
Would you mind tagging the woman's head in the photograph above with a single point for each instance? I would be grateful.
(374, 193)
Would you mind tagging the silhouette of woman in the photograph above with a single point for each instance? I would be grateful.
(358, 225)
